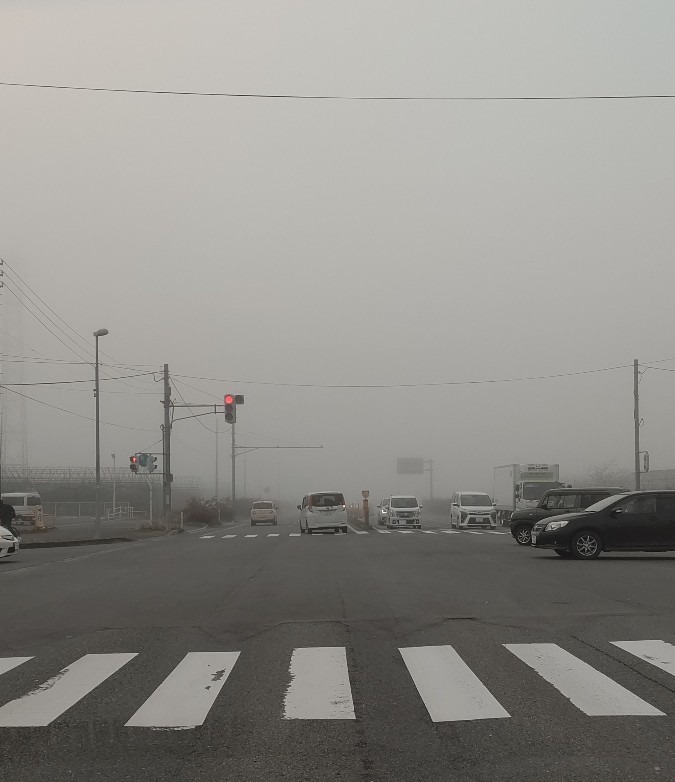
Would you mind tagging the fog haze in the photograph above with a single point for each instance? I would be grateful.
(278, 248)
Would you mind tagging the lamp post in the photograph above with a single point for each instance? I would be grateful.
(114, 505)
(97, 334)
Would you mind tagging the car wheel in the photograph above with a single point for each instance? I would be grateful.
(523, 535)
(253, 523)
(563, 552)
(308, 531)
(586, 545)
(344, 529)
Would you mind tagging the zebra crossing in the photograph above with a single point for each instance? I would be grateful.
(319, 687)
(375, 531)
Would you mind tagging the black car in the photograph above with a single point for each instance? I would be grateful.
(554, 503)
(633, 521)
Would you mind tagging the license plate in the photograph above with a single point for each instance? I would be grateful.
(534, 539)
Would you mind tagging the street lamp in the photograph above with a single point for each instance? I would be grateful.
(97, 334)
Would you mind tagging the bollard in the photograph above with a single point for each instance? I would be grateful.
(366, 511)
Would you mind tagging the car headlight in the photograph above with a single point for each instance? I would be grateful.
(7, 537)
(554, 525)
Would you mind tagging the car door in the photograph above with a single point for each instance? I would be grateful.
(665, 509)
(634, 524)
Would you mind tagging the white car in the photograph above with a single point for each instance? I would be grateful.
(472, 509)
(9, 545)
(404, 511)
(263, 512)
(323, 510)
(383, 512)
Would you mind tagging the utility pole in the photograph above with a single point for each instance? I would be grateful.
(114, 485)
(216, 487)
(166, 449)
(430, 470)
(636, 416)
(234, 473)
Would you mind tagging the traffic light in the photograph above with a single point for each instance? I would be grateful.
(143, 459)
(152, 463)
(133, 466)
(230, 408)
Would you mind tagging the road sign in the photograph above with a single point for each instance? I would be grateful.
(410, 466)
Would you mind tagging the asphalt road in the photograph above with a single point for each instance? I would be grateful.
(423, 656)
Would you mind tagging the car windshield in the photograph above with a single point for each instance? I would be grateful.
(264, 505)
(535, 491)
(604, 503)
(480, 500)
(404, 502)
(328, 500)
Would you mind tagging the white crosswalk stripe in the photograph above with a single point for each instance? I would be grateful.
(232, 536)
(185, 697)
(319, 688)
(384, 531)
(589, 690)
(451, 691)
(658, 653)
(44, 704)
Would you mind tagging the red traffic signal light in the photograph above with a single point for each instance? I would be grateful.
(133, 466)
(230, 408)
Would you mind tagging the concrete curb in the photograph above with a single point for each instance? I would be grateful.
(66, 543)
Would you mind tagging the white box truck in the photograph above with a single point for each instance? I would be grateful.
(519, 486)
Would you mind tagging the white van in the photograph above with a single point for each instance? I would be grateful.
(404, 511)
(27, 506)
(323, 510)
(472, 509)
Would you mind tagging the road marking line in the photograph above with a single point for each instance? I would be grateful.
(250, 536)
(493, 532)
(450, 531)
(294, 535)
(319, 688)
(52, 698)
(588, 689)
(406, 531)
(185, 697)
(358, 531)
(427, 532)
(451, 691)
(8, 663)
(471, 532)
(206, 537)
(383, 531)
(229, 536)
(658, 653)
(272, 534)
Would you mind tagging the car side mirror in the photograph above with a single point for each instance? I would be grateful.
(616, 513)
(299, 507)
(421, 506)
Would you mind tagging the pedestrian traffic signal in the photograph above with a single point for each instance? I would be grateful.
(143, 459)
(230, 408)
(133, 466)
(152, 463)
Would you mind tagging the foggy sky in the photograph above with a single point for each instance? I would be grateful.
(337, 242)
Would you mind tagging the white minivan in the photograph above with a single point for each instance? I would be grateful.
(472, 509)
(323, 510)
(404, 511)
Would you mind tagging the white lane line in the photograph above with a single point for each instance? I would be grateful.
(493, 532)
(589, 690)
(8, 663)
(206, 537)
(48, 701)
(658, 653)
(319, 688)
(358, 531)
(451, 691)
(294, 535)
(406, 531)
(250, 536)
(272, 534)
(450, 531)
(383, 531)
(427, 532)
(471, 532)
(185, 697)
(229, 536)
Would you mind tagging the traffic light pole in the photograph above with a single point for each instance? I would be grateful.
(234, 473)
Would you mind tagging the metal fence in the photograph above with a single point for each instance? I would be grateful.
(60, 509)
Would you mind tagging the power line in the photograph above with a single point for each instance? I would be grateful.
(298, 96)
(70, 412)
(199, 421)
(70, 382)
(408, 385)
